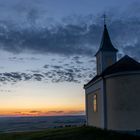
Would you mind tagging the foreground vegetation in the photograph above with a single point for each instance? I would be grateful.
(75, 133)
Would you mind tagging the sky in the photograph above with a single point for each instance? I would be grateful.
(47, 51)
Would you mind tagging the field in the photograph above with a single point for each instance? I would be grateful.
(25, 124)
(71, 133)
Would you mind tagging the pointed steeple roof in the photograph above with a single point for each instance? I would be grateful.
(106, 44)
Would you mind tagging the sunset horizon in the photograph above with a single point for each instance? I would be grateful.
(39, 113)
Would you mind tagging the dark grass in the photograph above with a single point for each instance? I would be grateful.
(73, 133)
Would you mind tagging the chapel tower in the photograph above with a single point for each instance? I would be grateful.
(106, 55)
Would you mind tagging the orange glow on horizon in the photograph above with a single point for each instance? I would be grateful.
(43, 100)
(59, 111)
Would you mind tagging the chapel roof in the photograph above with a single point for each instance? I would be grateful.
(125, 64)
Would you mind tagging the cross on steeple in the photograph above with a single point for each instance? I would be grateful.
(104, 16)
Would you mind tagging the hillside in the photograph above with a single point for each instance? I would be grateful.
(75, 133)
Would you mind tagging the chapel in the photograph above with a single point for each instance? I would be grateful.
(113, 95)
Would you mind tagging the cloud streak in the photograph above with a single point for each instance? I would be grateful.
(49, 113)
(74, 71)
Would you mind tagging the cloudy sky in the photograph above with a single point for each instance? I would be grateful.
(47, 50)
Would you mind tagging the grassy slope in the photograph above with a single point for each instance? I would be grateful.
(77, 133)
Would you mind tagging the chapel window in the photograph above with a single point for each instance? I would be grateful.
(95, 103)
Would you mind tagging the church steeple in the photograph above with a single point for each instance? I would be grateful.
(106, 44)
(106, 55)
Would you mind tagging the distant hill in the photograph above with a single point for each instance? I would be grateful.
(71, 133)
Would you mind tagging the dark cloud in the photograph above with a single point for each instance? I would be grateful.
(51, 73)
(56, 67)
(76, 59)
(74, 34)
(38, 77)
(14, 77)
(46, 66)
(35, 112)
(68, 73)
(70, 39)
(55, 112)
(62, 41)
(59, 112)
(79, 112)
(23, 58)
(5, 91)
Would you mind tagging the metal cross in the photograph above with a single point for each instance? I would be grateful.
(104, 16)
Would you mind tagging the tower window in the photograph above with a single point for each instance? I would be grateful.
(95, 103)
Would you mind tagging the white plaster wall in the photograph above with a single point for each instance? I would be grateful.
(95, 119)
(102, 60)
(123, 102)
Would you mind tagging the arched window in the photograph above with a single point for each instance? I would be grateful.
(95, 102)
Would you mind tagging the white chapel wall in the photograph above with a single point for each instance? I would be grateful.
(95, 119)
(123, 102)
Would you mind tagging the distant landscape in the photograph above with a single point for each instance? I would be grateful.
(20, 124)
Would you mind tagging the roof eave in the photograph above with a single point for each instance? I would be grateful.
(90, 83)
(100, 50)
